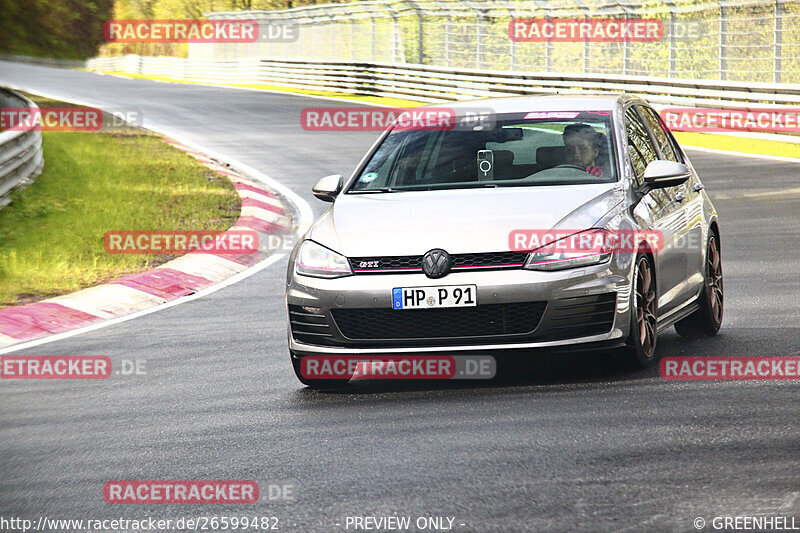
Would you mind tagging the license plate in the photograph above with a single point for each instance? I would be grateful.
(432, 297)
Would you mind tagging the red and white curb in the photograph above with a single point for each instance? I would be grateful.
(262, 212)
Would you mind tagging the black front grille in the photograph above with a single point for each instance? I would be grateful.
(582, 316)
(465, 322)
(378, 265)
(413, 263)
(489, 259)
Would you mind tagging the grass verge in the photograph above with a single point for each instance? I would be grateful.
(51, 234)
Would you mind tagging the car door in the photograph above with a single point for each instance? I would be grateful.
(657, 210)
(690, 240)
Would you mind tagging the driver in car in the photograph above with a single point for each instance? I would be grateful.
(582, 144)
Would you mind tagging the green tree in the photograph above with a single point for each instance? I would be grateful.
(70, 29)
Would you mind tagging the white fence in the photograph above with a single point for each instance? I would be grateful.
(739, 40)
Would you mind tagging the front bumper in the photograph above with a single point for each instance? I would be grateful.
(563, 308)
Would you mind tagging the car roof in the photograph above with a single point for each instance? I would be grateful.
(550, 102)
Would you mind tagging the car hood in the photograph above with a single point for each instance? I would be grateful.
(458, 221)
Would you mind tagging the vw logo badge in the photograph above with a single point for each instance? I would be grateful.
(436, 263)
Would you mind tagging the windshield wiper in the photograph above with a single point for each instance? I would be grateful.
(443, 186)
(381, 189)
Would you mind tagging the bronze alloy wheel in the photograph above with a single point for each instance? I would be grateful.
(714, 279)
(646, 306)
(706, 321)
(640, 348)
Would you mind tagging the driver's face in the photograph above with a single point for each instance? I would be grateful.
(579, 151)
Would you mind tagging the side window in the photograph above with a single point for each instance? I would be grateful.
(640, 147)
(659, 132)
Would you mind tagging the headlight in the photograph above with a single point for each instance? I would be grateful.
(319, 262)
(581, 249)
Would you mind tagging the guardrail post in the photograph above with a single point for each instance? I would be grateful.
(626, 52)
(723, 42)
(512, 46)
(372, 46)
(395, 36)
(420, 31)
(586, 53)
(478, 12)
(777, 52)
(447, 40)
(586, 15)
(548, 51)
(332, 27)
(352, 39)
(512, 62)
(314, 45)
(479, 41)
(302, 42)
(672, 42)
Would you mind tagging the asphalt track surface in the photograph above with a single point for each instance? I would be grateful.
(561, 443)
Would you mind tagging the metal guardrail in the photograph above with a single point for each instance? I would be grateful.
(21, 157)
(437, 84)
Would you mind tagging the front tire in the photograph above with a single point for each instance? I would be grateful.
(706, 321)
(640, 347)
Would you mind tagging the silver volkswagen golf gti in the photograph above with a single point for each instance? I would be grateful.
(449, 239)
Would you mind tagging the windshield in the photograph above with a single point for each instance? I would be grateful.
(524, 149)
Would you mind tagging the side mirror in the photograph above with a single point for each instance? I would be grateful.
(328, 187)
(660, 174)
